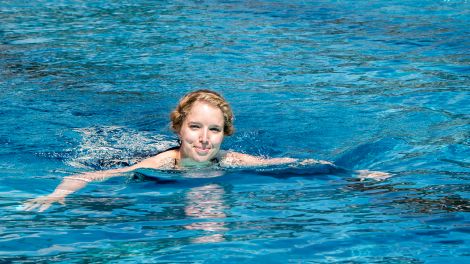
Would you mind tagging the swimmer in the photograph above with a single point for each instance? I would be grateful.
(201, 120)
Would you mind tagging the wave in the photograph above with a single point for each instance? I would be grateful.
(105, 147)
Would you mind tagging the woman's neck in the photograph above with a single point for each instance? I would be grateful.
(183, 162)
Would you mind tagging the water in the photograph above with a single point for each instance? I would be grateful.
(380, 85)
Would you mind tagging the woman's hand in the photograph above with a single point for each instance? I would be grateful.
(42, 203)
(376, 175)
(314, 161)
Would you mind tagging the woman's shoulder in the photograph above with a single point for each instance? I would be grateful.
(163, 160)
(232, 158)
(172, 152)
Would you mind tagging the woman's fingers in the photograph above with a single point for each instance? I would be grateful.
(377, 175)
(42, 203)
(28, 206)
(44, 207)
(32, 204)
(314, 161)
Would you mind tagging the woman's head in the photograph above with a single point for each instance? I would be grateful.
(211, 98)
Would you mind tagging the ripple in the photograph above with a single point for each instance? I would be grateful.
(31, 41)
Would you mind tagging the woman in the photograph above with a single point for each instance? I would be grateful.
(201, 120)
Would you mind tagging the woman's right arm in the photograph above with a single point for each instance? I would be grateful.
(73, 183)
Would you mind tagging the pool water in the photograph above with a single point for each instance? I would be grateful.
(378, 85)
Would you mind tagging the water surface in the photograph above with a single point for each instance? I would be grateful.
(380, 85)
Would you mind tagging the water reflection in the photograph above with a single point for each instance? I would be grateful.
(206, 206)
(427, 200)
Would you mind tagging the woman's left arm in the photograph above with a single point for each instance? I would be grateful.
(239, 159)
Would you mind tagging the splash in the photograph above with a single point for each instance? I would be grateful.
(113, 146)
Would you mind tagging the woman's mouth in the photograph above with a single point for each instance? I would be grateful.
(202, 150)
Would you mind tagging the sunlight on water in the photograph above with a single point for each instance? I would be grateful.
(377, 85)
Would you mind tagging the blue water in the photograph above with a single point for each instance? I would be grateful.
(379, 85)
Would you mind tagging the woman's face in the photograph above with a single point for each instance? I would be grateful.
(201, 133)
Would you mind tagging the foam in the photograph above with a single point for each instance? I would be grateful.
(104, 147)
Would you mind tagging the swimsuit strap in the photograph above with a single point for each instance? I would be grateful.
(216, 161)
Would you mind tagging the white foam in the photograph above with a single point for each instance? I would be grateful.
(115, 145)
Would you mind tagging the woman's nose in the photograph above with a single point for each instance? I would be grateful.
(204, 136)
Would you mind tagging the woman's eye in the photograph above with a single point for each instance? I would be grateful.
(215, 129)
(193, 126)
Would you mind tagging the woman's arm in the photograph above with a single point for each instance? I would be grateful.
(73, 183)
(239, 159)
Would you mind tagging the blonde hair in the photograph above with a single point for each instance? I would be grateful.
(184, 106)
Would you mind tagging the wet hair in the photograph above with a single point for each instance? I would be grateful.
(212, 98)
